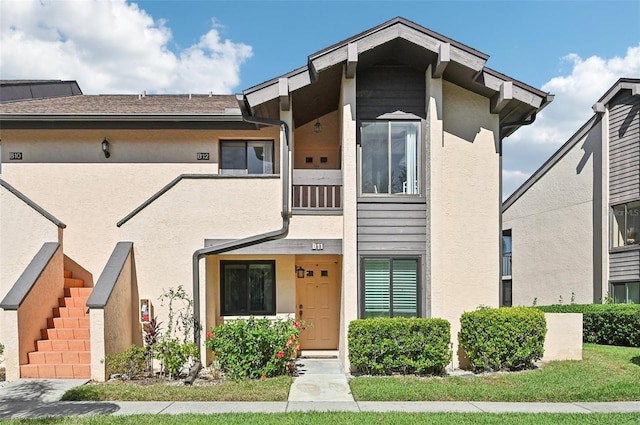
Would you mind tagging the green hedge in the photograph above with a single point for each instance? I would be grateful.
(509, 338)
(407, 346)
(608, 324)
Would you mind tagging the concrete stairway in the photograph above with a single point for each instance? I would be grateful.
(64, 351)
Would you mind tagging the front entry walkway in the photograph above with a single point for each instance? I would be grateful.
(322, 384)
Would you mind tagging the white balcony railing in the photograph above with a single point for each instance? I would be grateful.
(317, 189)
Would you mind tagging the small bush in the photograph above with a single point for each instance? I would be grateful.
(175, 355)
(607, 324)
(255, 348)
(130, 363)
(399, 345)
(509, 338)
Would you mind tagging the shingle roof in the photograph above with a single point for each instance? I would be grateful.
(183, 104)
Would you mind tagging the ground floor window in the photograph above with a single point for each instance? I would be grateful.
(506, 293)
(248, 288)
(626, 292)
(390, 287)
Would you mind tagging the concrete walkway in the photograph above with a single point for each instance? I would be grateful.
(321, 386)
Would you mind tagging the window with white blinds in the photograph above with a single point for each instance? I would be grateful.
(390, 287)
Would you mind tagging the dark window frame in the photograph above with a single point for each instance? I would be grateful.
(272, 308)
(504, 300)
(626, 284)
(246, 154)
(626, 232)
(362, 299)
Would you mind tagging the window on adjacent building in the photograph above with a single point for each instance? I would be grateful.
(626, 292)
(248, 288)
(625, 224)
(390, 287)
(389, 157)
(506, 252)
(506, 293)
(246, 157)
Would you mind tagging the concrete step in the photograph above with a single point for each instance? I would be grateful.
(72, 302)
(70, 312)
(63, 345)
(59, 357)
(70, 282)
(76, 333)
(77, 292)
(68, 322)
(47, 371)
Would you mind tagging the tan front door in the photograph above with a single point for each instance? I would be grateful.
(318, 304)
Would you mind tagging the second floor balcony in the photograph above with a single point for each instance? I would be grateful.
(317, 190)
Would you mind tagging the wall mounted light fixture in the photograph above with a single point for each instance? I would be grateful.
(317, 127)
(105, 148)
(299, 272)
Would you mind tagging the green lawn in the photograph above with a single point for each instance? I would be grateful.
(272, 389)
(605, 374)
(340, 418)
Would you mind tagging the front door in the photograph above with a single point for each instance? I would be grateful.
(318, 304)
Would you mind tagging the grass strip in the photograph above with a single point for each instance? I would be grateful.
(348, 418)
(606, 373)
(272, 389)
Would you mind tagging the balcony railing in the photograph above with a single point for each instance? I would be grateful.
(506, 264)
(317, 189)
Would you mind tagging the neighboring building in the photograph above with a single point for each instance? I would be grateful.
(17, 90)
(574, 225)
(364, 184)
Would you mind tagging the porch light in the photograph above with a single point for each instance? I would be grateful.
(105, 148)
(317, 127)
(299, 272)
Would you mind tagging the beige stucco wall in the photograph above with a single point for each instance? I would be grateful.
(91, 193)
(116, 327)
(564, 337)
(464, 203)
(552, 226)
(168, 231)
(23, 232)
(22, 327)
(316, 226)
(349, 296)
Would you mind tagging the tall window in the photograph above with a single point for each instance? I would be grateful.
(389, 157)
(625, 225)
(390, 287)
(626, 292)
(506, 252)
(248, 288)
(246, 157)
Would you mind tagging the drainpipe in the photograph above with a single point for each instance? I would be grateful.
(251, 240)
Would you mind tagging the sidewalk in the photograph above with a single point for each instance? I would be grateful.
(321, 386)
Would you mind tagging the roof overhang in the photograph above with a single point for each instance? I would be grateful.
(125, 121)
(513, 100)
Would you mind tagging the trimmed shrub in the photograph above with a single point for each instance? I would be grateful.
(130, 363)
(509, 338)
(399, 345)
(255, 348)
(607, 324)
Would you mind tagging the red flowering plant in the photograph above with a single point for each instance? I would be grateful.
(255, 348)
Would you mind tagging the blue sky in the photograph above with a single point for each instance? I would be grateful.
(573, 49)
(525, 39)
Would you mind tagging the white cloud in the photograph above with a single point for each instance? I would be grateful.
(111, 46)
(575, 93)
